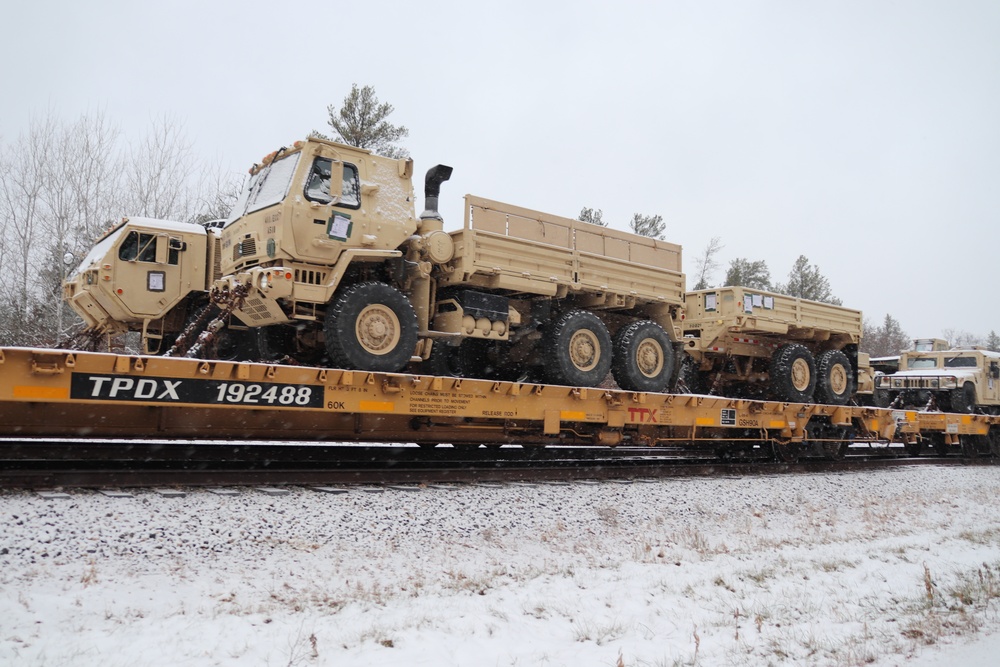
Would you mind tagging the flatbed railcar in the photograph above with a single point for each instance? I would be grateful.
(60, 393)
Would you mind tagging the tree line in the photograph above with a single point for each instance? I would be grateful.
(62, 184)
(805, 281)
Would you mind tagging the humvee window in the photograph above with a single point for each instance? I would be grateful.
(960, 362)
(318, 184)
(917, 364)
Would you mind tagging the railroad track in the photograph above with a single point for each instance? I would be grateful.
(43, 464)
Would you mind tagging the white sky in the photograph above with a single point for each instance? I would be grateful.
(862, 134)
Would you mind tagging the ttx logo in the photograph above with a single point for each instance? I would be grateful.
(642, 415)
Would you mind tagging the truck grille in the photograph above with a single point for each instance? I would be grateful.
(310, 277)
(245, 248)
(915, 383)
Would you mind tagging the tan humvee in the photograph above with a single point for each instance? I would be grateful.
(965, 380)
(766, 345)
(326, 244)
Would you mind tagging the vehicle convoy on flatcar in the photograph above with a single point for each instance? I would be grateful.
(324, 261)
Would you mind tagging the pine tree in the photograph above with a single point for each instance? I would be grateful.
(593, 216)
(361, 122)
(648, 225)
(993, 341)
(806, 282)
(745, 273)
(887, 340)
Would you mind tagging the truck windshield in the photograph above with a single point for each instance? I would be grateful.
(919, 364)
(960, 362)
(266, 188)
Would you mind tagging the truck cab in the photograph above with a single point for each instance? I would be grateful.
(143, 275)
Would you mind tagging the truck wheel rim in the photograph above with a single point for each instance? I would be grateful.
(377, 329)
(800, 375)
(584, 350)
(838, 379)
(649, 358)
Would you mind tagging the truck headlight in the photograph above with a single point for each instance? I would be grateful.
(264, 281)
(949, 383)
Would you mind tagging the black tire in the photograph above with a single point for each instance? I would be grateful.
(834, 378)
(643, 358)
(994, 438)
(236, 345)
(578, 350)
(881, 398)
(372, 327)
(963, 399)
(793, 374)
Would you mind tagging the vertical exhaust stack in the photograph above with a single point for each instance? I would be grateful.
(436, 175)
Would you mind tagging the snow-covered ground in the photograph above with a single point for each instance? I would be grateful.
(839, 569)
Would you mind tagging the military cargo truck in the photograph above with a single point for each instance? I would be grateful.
(325, 243)
(965, 380)
(744, 342)
(151, 276)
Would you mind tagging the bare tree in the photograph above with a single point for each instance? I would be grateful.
(707, 264)
(158, 173)
(958, 338)
(22, 185)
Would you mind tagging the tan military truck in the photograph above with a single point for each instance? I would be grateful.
(745, 342)
(325, 250)
(150, 276)
(965, 380)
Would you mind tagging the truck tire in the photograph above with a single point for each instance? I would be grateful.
(793, 374)
(834, 382)
(963, 399)
(371, 327)
(578, 350)
(643, 358)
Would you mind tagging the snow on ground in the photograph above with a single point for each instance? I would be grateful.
(834, 569)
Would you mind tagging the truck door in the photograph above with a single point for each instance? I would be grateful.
(147, 277)
(992, 385)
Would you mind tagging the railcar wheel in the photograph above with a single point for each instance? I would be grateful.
(793, 374)
(913, 449)
(371, 326)
(833, 378)
(643, 358)
(963, 399)
(578, 352)
(786, 452)
(939, 444)
(994, 437)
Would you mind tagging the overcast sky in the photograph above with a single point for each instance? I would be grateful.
(862, 134)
